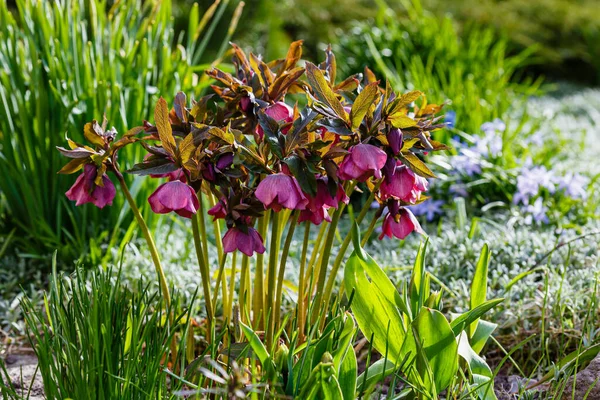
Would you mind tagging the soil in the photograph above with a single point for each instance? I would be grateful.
(22, 370)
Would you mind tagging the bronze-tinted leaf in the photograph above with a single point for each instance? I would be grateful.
(186, 148)
(283, 82)
(225, 136)
(92, 134)
(416, 165)
(403, 101)
(293, 55)
(165, 133)
(363, 102)
(78, 152)
(402, 121)
(323, 92)
(73, 166)
(179, 106)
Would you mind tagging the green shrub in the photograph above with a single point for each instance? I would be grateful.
(63, 63)
(420, 50)
(566, 32)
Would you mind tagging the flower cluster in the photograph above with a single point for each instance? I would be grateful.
(249, 149)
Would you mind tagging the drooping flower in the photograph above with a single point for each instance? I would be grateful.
(219, 210)
(85, 190)
(174, 196)
(246, 242)
(362, 162)
(316, 210)
(279, 191)
(400, 225)
(281, 113)
(403, 185)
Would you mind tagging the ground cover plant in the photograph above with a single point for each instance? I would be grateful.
(300, 234)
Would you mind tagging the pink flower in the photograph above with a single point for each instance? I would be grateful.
(174, 196)
(316, 211)
(281, 191)
(403, 185)
(363, 161)
(246, 242)
(315, 216)
(401, 228)
(219, 210)
(85, 190)
(281, 113)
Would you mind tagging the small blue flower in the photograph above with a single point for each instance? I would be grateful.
(450, 119)
(574, 185)
(429, 208)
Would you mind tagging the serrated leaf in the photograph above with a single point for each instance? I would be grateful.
(72, 166)
(293, 55)
(179, 106)
(403, 101)
(165, 132)
(363, 103)
(153, 166)
(401, 120)
(186, 148)
(225, 136)
(283, 82)
(91, 134)
(323, 92)
(416, 165)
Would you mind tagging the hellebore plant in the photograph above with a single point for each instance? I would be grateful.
(262, 164)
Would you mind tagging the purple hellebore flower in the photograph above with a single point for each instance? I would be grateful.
(279, 191)
(85, 190)
(281, 113)
(316, 210)
(403, 185)
(219, 210)
(362, 162)
(247, 243)
(174, 196)
(406, 224)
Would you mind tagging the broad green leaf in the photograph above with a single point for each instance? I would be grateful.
(482, 333)
(480, 371)
(463, 320)
(165, 132)
(439, 345)
(363, 102)
(344, 340)
(323, 382)
(323, 92)
(347, 374)
(374, 305)
(259, 349)
(417, 280)
(479, 284)
(377, 371)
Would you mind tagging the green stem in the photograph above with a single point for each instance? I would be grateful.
(369, 231)
(271, 277)
(259, 291)
(342, 252)
(204, 271)
(220, 278)
(301, 289)
(243, 297)
(149, 240)
(232, 285)
(202, 223)
(281, 273)
(325, 261)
